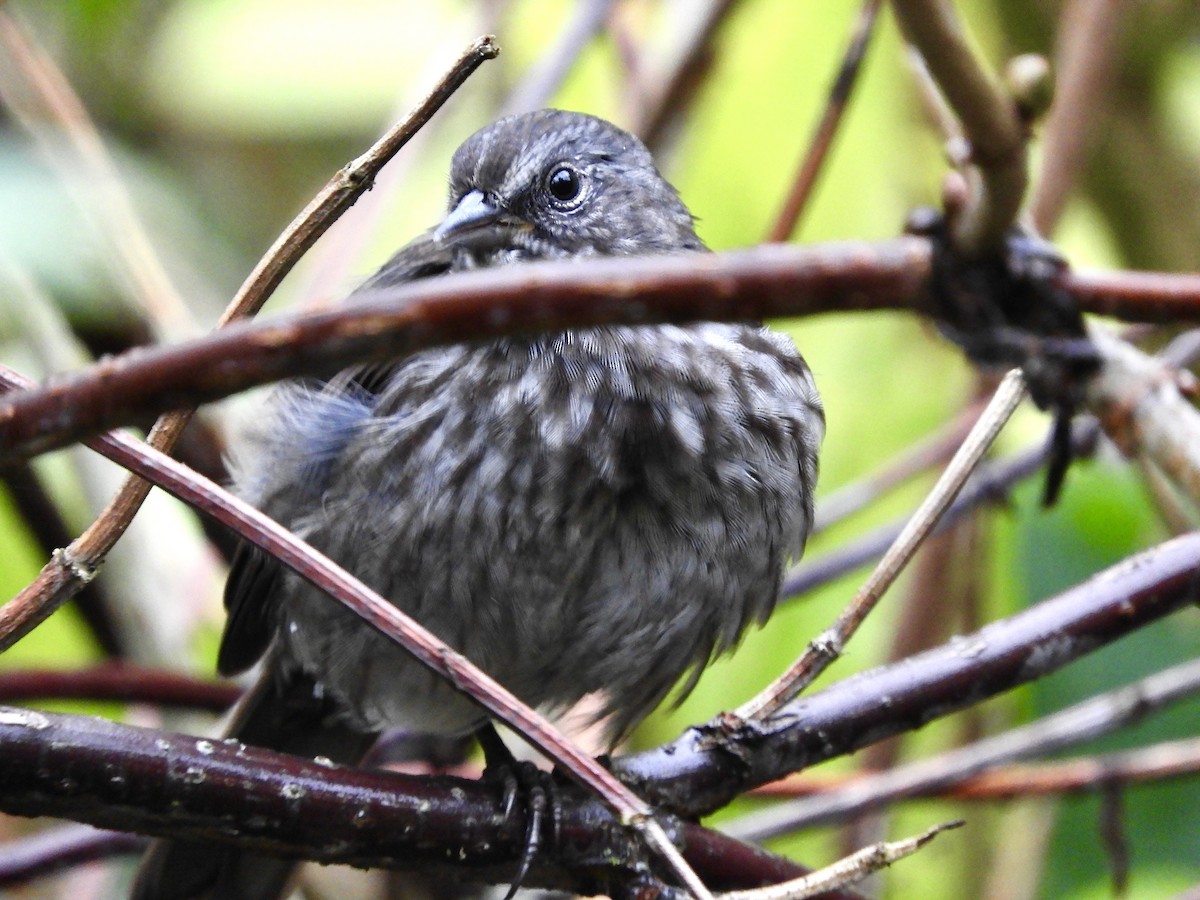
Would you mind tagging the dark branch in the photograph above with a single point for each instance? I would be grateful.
(708, 766)
(179, 786)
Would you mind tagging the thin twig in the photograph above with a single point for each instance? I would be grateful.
(1080, 775)
(1085, 60)
(73, 567)
(664, 95)
(1178, 517)
(1138, 401)
(931, 450)
(709, 765)
(54, 849)
(822, 139)
(123, 683)
(828, 646)
(990, 120)
(44, 521)
(845, 872)
(91, 170)
(1085, 721)
(538, 85)
(253, 526)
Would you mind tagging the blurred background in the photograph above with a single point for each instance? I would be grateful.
(222, 119)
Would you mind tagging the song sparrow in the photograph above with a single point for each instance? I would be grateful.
(592, 510)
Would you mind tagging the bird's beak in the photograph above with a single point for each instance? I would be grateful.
(472, 212)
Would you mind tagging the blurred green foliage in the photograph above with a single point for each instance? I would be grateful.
(227, 115)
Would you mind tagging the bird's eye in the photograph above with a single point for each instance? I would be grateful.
(565, 185)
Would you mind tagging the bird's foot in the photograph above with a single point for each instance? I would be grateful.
(523, 784)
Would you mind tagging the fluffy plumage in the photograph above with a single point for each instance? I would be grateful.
(599, 509)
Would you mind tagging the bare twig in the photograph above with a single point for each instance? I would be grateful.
(707, 766)
(667, 92)
(1138, 401)
(828, 646)
(1085, 59)
(253, 526)
(340, 193)
(1161, 297)
(1179, 517)
(1085, 721)
(124, 683)
(775, 280)
(73, 567)
(990, 120)
(845, 872)
(538, 85)
(91, 170)
(822, 139)
(46, 524)
(54, 849)
(991, 485)
(1084, 774)
(931, 450)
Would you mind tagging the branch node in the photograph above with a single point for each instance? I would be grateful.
(81, 571)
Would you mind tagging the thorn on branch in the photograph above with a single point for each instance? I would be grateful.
(1007, 310)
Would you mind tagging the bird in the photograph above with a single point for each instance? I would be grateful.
(597, 510)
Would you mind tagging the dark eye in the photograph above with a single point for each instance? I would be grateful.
(565, 185)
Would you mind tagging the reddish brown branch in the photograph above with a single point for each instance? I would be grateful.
(1159, 297)
(127, 684)
(73, 567)
(1086, 58)
(674, 90)
(1085, 774)
(327, 576)
(55, 849)
(757, 283)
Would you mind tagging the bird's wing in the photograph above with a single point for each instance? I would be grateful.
(250, 591)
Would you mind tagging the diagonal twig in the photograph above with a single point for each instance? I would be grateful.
(91, 170)
(828, 645)
(1085, 721)
(990, 120)
(845, 872)
(175, 478)
(73, 567)
(822, 139)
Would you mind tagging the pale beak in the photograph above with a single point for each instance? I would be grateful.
(473, 211)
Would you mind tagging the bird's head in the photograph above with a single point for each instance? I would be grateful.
(549, 184)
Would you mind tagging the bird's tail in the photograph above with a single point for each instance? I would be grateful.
(281, 712)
